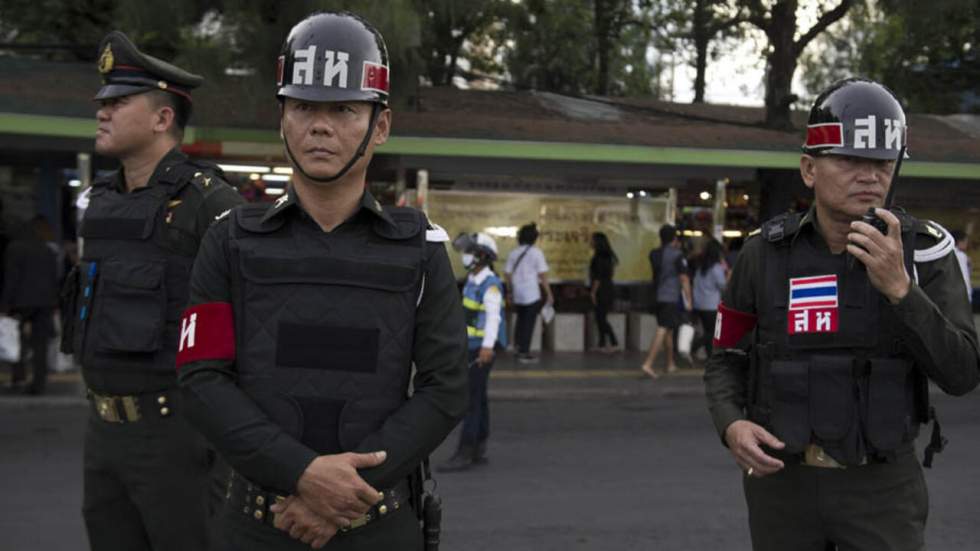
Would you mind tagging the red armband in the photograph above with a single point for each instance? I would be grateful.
(207, 332)
(731, 326)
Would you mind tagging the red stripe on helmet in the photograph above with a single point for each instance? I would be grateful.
(375, 77)
(207, 332)
(829, 134)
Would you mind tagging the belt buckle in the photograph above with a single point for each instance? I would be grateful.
(815, 456)
(131, 408)
(106, 407)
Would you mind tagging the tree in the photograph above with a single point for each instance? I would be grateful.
(70, 30)
(548, 51)
(779, 23)
(609, 19)
(447, 26)
(700, 22)
(927, 52)
(837, 53)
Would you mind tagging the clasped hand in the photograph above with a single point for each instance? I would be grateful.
(330, 495)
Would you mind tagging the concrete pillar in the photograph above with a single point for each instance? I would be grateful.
(568, 332)
(422, 190)
(719, 210)
(642, 328)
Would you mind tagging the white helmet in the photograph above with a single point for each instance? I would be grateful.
(480, 245)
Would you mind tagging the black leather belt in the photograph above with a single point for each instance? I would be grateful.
(132, 408)
(816, 456)
(255, 502)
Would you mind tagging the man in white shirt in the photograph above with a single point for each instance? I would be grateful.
(962, 243)
(526, 272)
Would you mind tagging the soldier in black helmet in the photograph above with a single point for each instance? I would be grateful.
(146, 469)
(828, 335)
(310, 319)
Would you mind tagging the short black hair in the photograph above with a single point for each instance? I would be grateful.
(181, 106)
(957, 235)
(667, 234)
(528, 234)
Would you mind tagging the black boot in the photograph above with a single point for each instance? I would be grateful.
(460, 461)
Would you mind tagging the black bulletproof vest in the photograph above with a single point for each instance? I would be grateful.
(324, 322)
(852, 391)
(134, 276)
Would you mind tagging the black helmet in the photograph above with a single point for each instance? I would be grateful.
(856, 117)
(333, 57)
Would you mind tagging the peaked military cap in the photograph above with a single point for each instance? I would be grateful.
(126, 70)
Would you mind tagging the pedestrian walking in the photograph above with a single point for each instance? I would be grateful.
(602, 290)
(30, 293)
(672, 289)
(526, 274)
(710, 277)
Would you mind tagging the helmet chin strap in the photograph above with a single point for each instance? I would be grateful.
(375, 111)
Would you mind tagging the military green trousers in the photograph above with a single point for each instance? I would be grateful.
(147, 485)
(875, 507)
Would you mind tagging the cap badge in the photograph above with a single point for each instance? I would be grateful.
(106, 60)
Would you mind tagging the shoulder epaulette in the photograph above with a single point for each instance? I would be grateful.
(940, 241)
(434, 233)
(782, 226)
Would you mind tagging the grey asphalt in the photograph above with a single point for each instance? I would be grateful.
(585, 453)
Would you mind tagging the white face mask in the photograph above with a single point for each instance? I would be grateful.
(468, 260)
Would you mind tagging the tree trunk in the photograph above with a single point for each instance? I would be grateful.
(701, 38)
(602, 20)
(781, 65)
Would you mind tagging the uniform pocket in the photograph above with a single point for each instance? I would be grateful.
(790, 417)
(832, 397)
(889, 407)
(130, 299)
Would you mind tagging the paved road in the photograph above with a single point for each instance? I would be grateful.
(615, 463)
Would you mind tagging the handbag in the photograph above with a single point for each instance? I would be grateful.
(9, 339)
(685, 338)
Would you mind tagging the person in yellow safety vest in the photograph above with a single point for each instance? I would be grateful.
(483, 303)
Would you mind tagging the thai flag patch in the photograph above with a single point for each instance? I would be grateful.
(812, 305)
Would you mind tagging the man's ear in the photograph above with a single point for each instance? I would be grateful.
(165, 119)
(808, 170)
(382, 127)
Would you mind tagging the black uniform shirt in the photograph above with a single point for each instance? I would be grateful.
(187, 218)
(260, 449)
(934, 318)
(192, 212)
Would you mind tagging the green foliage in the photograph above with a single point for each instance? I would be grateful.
(551, 50)
(927, 52)
(557, 46)
(448, 26)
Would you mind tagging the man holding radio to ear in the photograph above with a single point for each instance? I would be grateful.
(827, 336)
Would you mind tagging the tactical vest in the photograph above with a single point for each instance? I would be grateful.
(839, 379)
(324, 322)
(476, 311)
(133, 283)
